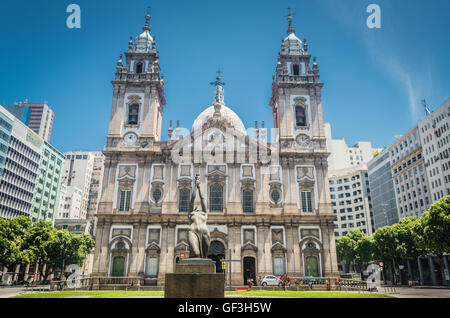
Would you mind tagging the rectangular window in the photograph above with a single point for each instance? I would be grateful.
(306, 201)
(152, 266)
(124, 205)
(278, 268)
(184, 200)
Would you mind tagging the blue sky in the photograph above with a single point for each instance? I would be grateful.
(374, 78)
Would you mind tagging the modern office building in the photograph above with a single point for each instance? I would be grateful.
(38, 116)
(47, 188)
(20, 167)
(351, 200)
(6, 125)
(31, 171)
(382, 190)
(434, 134)
(409, 175)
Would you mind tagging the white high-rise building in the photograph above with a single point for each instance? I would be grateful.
(351, 201)
(409, 176)
(349, 184)
(77, 172)
(343, 156)
(434, 133)
(71, 203)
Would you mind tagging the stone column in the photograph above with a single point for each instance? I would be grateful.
(134, 251)
(236, 267)
(113, 109)
(329, 249)
(267, 250)
(432, 271)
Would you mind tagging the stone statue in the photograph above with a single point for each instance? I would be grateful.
(199, 238)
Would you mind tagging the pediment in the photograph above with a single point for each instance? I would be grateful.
(278, 247)
(249, 247)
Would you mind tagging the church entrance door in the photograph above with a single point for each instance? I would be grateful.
(312, 266)
(216, 253)
(118, 266)
(249, 269)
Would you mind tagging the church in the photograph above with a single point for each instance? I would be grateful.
(268, 202)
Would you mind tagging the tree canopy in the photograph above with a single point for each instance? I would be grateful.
(24, 242)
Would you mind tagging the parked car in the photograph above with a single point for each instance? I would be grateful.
(270, 280)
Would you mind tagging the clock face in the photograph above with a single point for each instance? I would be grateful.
(303, 141)
(130, 139)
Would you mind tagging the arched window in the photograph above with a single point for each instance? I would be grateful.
(300, 116)
(247, 200)
(216, 198)
(184, 200)
(139, 67)
(296, 69)
(133, 113)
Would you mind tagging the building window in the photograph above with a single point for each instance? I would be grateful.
(152, 266)
(216, 198)
(300, 116)
(139, 67)
(306, 201)
(247, 200)
(124, 203)
(184, 200)
(133, 112)
(296, 69)
(278, 268)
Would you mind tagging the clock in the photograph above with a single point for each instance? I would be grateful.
(303, 141)
(130, 139)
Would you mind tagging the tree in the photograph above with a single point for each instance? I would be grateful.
(67, 248)
(345, 249)
(432, 232)
(36, 241)
(364, 251)
(12, 233)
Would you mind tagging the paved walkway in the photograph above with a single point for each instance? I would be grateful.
(420, 292)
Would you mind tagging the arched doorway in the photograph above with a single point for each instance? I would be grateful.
(216, 253)
(312, 266)
(249, 269)
(118, 266)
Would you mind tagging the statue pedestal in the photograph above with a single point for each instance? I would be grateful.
(194, 278)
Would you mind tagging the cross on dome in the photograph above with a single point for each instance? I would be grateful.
(218, 93)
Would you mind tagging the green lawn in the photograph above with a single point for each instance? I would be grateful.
(254, 293)
(93, 294)
(306, 294)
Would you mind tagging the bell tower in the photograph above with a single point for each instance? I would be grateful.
(138, 96)
(296, 95)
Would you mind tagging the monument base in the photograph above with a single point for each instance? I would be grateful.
(194, 278)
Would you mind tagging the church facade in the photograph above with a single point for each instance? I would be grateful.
(268, 204)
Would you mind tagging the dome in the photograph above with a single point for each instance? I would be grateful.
(225, 112)
(293, 44)
(143, 42)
